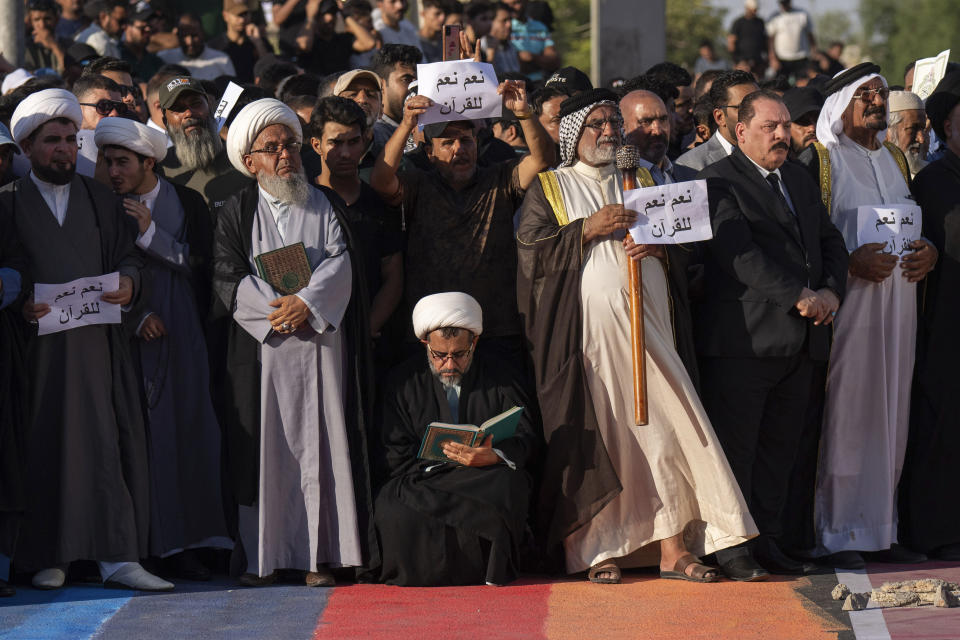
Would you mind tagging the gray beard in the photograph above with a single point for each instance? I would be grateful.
(448, 381)
(292, 189)
(196, 150)
(598, 156)
(915, 160)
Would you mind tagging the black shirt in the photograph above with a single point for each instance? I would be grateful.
(243, 56)
(751, 38)
(377, 232)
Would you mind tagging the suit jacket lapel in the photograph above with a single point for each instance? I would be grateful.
(771, 202)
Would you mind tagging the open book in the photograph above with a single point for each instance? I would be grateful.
(501, 426)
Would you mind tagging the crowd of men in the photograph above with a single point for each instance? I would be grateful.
(798, 381)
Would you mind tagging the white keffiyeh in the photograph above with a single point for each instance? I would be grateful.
(830, 123)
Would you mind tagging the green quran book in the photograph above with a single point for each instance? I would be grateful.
(501, 426)
(286, 269)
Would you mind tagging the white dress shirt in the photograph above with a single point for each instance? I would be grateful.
(55, 195)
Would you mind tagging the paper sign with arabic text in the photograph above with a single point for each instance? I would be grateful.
(894, 225)
(671, 213)
(77, 303)
(461, 89)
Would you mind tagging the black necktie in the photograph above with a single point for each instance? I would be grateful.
(774, 181)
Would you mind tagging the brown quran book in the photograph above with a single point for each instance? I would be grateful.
(287, 270)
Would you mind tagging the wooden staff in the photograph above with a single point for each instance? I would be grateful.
(627, 162)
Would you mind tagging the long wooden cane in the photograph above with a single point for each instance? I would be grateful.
(627, 161)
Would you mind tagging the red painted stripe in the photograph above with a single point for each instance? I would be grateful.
(374, 612)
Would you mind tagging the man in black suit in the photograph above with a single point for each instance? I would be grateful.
(775, 272)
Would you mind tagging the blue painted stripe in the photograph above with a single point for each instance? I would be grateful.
(71, 613)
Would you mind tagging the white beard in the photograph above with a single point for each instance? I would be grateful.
(291, 189)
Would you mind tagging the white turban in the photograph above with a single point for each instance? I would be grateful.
(41, 107)
(829, 124)
(252, 119)
(451, 309)
(131, 135)
(904, 101)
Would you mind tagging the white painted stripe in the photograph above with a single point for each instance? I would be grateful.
(869, 623)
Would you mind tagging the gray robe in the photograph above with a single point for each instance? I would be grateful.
(86, 471)
(306, 511)
(186, 504)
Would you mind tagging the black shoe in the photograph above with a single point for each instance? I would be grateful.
(744, 569)
(847, 560)
(948, 552)
(771, 558)
(896, 554)
(187, 566)
(6, 590)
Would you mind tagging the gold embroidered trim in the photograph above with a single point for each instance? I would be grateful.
(645, 178)
(551, 189)
(900, 158)
(825, 182)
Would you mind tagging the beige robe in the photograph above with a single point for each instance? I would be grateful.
(675, 477)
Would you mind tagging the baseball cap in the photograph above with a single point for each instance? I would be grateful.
(570, 79)
(801, 100)
(437, 129)
(236, 7)
(345, 79)
(170, 91)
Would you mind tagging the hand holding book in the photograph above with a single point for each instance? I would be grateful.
(480, 456)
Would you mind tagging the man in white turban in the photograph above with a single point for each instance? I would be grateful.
(176, 236)
(294, 424)
(459, 520)
(86, 455)
(867, 406)
(907, 128)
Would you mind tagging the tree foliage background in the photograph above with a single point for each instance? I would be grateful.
(895, 33)
(571, 31)
(689, 22)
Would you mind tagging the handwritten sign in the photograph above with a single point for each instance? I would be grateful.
(77, 303)
(894, 225)
(670, 214)
(230, 96)
(928, 72)
(461, 89)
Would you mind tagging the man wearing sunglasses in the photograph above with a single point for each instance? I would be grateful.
(874, 334)
(133, 48)
(99, 97)
(479, 495)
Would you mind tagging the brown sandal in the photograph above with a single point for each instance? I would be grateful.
(608, 566)
(700, 573)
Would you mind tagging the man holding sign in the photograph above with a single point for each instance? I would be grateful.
(86, 459)
(661, 493)
(774, 272)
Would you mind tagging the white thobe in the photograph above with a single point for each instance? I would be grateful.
(867, 404)
(674, 475)
(306, 512)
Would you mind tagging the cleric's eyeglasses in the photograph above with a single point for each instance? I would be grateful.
(456, 356)
(598, 125)
(105, 107)
(276, 150)
(867, 95)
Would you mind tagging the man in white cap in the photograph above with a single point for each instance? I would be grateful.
(366, 89)
(867, 407)
(176, 236)
(295, 436)
(86, 458)
(479, 496)
(662, 493)
(907, 128)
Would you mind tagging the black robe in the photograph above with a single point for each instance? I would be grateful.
(578, 477)
(13, 393)
(240, 407)
(452, 525)
(87, 493)
(929, 517)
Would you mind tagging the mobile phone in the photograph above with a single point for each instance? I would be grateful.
(451, 41)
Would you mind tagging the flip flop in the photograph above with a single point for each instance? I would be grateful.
(700, 573)
(608, 566)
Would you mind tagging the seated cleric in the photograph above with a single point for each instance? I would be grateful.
(458, 522)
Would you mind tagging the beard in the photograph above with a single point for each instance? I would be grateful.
(289, 189)
(451, 377)
(603, 153)
(55, 175)
(915, 159)
(199, 148)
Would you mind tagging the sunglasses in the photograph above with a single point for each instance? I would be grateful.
(867, 95)
(104, 107)
(131, 90)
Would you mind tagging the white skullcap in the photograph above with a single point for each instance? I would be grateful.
(829, 124)
(252, 119)
(14, 79)
(41, 107)
(131, 135)
(450, 309)
(904, 101)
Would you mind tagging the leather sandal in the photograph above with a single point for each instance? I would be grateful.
(700, 573)
(608, 566)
